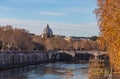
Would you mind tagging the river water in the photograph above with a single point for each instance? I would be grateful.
(59, 70)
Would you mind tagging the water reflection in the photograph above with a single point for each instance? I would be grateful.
(47, 71)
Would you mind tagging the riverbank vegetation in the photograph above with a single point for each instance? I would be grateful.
(108, 13)
(20, 39)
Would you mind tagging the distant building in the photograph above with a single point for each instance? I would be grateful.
(73, 38)
(47, 32)
(68, 39)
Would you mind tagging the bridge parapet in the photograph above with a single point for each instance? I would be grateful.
(77, 54)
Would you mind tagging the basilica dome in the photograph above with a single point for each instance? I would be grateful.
(47, 32)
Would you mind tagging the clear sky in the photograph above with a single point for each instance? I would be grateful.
(65, 17)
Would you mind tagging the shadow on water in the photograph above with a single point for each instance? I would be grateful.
(59, 70)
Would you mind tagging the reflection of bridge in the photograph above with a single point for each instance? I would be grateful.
(74, 54)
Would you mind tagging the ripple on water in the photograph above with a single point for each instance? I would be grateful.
(48, 71)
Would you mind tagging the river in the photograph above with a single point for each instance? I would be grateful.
(59, 70)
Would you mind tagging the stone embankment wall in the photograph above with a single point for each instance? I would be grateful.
(12, 58)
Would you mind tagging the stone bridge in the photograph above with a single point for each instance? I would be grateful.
(70, 55)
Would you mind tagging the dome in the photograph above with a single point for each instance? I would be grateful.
(47, 32)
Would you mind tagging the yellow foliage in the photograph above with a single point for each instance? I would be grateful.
(108, 13)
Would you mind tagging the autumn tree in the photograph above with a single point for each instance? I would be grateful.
(22, 40)
(38, 42)
(76, 45)
(55, 43)
(15, 39)
(108, 14)
(6, 37)
(70, 45)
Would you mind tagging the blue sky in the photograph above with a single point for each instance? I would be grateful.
(65, 17)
